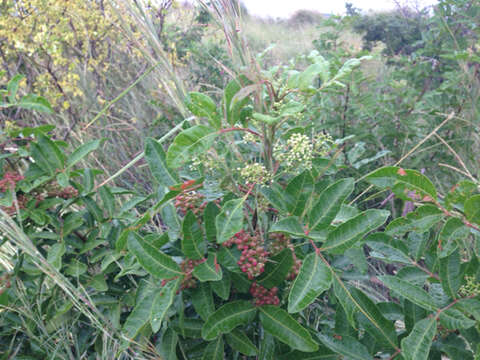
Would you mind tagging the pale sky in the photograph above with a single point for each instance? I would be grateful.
(284, 8)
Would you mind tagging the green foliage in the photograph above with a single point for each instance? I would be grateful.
(313, 279)
(398, 100)
(303, 17)
(400, 30)
(9, 98)
(253, 241)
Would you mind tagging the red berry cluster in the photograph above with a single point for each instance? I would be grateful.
(187, 267)
(21, 202)
(264, 296)
(280, 242)
(4, 282)
(9, 181)
(191, 200)
(253, 258)
(68, 193)
(297, 264)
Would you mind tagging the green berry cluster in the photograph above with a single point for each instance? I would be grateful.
(280, 242)
(471, 287)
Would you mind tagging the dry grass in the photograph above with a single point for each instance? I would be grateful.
(289, 41)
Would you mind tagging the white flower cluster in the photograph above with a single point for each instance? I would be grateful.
(254, 173)
(205, 162)
(297, 152)
(323, 144)
(196, 163)
(249, 138)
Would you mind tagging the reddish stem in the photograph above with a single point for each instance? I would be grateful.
(465, 221)
(395, 354)
(250, 189)
(439, 311)
(247, 194)
(217, 267)
(435, 276)
(317, 250)
(222, 131)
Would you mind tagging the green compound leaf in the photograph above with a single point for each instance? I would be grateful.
(203, 106)
(411, 292)
(55, 254)
(240, 283)
(347, 346)
(403, 181)
(322, 354)
(297, 192)
(454, 319)
(222, 287)
(241, 343)
(189, 144)
(155, 157)
(63, 180)
(141, 313)
(210, 213)
(267, 347)
(420, 220)
(416, 346)
(153, 260)
(314, 278)
(232, 107)
(188, 327)
(108, 200)
(373, 321)
(451, 235)
(193, 244)
(208, 270)
(36, 103)
(51, 150)
(230, 220)
(289, 226)
(202, 300)
(472, 209)
(227, 318)
(451, 274)
(82, 151)
(12, 87)
(200, 104)
(274, 195)
(413, 275)
(41, 159)
(348, 233)
(285, 328)
(214, 350)
(162, 302)
(228, 258)
(168, 345)
(47, 154)
(305, 78)
(386, 249)
(277, 269)
(329, 203)
(470, 306)
(342, 293)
